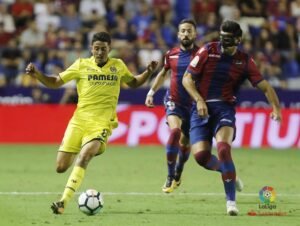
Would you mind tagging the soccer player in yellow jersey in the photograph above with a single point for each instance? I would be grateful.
(98, 81)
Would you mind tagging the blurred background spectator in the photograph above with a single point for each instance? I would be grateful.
(22, 11)
(52, 34)
(6, 19)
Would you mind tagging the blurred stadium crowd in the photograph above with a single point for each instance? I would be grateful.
(52, 34)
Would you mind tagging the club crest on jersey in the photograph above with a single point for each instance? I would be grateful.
(113, 69)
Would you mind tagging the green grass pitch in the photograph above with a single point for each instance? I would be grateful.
(131, 179)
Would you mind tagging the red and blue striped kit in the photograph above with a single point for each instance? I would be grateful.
(219, 76)
(177, 61)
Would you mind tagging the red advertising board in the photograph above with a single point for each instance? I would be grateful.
(139, 125)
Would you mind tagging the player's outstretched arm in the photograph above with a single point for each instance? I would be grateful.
(159, 79)
(272, 98)
(142, 78)
(53, 81)
(190, 87)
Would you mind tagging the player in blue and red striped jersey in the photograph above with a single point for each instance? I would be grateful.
(177, 102)
(212, 79)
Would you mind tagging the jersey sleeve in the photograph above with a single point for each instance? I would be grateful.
(127, 76)
(167, 60)
(196, 66)
(254, 75)
(71, 73)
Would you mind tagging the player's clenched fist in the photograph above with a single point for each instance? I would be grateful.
(30, 69)
(276, 115)
(149, 101)
(152, 65)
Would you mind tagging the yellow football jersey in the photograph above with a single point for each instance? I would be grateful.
(98, 88)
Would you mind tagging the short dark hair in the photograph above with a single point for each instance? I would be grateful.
(188, 21)
(102, 37)
(233, 27)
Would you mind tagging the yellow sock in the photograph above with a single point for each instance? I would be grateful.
(73, 183)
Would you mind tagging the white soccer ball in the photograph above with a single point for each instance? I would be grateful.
(90, 202)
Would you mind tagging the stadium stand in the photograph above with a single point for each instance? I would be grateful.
(54, 33)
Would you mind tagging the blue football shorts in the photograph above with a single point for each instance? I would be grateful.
(183, 113)
(204, 129)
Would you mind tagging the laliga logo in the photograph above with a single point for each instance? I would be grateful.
(267, 197)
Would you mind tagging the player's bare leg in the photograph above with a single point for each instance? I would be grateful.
(203, 156)
(64, 160)
(87, 152)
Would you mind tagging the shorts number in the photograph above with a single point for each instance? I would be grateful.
(170, 105)
(104, 133)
